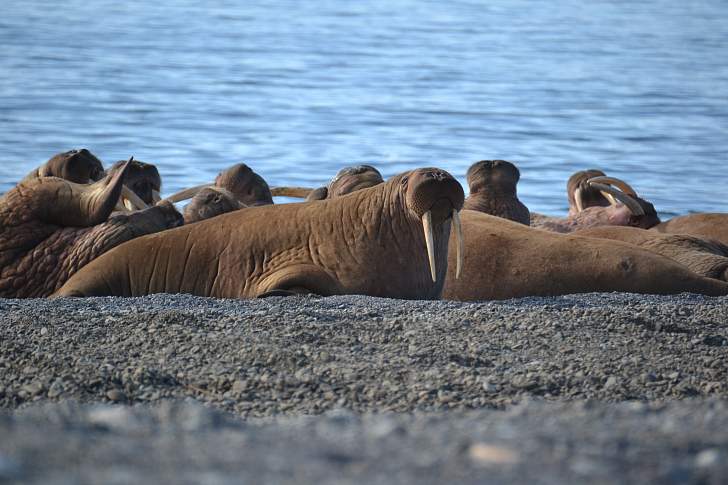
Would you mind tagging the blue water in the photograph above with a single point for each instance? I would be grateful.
(299, 89)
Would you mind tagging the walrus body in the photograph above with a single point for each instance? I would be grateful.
(503, 259)
(493, 190)
(50, 228)
(705, 225)
(705, 257)
(369, 242)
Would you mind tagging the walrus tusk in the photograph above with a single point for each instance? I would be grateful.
(297, 192)
(427, 227)
(156, 197)
(459, 241)
(628, 201)
(132, 201)
(579, 199)
(185, 194)
(620, 184)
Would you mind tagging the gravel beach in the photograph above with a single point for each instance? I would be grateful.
(597, 387)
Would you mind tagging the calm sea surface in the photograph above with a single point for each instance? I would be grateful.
(299, 89)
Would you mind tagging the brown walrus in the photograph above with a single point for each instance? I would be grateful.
(210, 202)
(582, 195)
(142, 178)
(50, 228)
(705, 257)
(705, 225)
(78, 166)
(369, 242)
(347, 180)
(234, 188)
(493, 190)
(503, 259)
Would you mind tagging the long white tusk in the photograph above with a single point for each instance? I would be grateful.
(297, 192)
(579, 200)
(633, 206)
(131, 200)
(427, 227)
(187, 193)
(619, 183)
(458, 241)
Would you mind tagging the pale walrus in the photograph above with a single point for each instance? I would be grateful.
(503, 260)
(626, 209)
(50, 228)
(390, 240)
(493, 190)
(705, 225)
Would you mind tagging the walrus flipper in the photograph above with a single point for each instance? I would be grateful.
(299, 279)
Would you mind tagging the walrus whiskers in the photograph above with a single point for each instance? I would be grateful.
(427, 227)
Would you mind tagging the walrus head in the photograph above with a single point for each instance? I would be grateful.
(493, 190)
(245, 185)
(434, 197)
(143, 179)
(626, 207)
(78, 166)
(210, 202)
(581, 195)
(493, 176)
(347, 180)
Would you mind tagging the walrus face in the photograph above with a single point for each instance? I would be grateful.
(434, 197)
(210, 202)
(493, 175)
(142, 178)
(581, 195)
(246, 186)
(78, 166)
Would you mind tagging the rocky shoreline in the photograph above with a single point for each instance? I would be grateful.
(282, 364)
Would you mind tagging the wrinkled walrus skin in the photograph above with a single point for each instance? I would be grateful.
(705, 257)
(505, 260)
(369, 242)
(50, 228)
(706, 225)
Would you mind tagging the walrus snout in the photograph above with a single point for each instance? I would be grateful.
(435, 196)
(427, 186)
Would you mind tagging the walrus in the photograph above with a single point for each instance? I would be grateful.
(581, 195)
(234, 188)
(705, 257)
(503, 259)
(390, 240)
(50, 228)
(210, 202)
(709, 225)
(347, 180)
(492, 186)
(143, 179)
(626, 209)
(77, 166)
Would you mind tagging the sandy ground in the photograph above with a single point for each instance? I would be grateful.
(592, 388)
